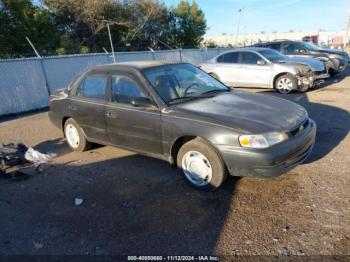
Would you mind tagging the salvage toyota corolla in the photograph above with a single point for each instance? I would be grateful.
(178, 113)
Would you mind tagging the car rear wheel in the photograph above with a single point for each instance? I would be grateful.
(285, 84)
(75, 136)
(202, 166)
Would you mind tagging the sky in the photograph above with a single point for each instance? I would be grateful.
(272, 15)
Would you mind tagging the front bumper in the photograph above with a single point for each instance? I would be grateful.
(270, 162)
(339, 65)
(342, 66)
(311, 81)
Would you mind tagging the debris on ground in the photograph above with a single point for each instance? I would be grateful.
(13, 155)
(34, 156)
(286, 251)
(38, 245)
(78, 201)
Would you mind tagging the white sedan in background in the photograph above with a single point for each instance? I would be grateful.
(266, 68)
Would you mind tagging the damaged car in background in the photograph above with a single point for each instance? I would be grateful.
(266, 68)
(335, 60)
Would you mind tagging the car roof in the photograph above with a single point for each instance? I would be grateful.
(277, 41)
(139, 65)
(256, 49)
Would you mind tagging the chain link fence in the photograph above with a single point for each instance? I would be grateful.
(25, 84)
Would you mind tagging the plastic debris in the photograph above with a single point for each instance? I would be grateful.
(34, 156)
(78, 201)
(14, 155)
(38, 245)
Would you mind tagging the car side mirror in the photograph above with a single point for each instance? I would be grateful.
(261, 62)
(141, 102)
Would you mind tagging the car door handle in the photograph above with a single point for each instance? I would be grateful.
(111, 115)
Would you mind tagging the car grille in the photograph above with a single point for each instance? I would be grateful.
(300, 128)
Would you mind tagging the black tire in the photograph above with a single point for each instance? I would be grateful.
(215, 161)
(83, 143)
(291, 78)
(332, 72)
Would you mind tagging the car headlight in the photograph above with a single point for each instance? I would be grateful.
(334, 56)
(304, 70)
(262, 141)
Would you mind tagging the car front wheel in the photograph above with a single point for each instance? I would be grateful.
(202, 166)
(285, 84)
(75, 136)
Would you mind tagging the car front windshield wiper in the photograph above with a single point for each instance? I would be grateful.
(182, 99)
(214, 91)
(203, 95)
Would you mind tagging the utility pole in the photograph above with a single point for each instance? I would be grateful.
(110, 40)
(238, 24)
(347, 30)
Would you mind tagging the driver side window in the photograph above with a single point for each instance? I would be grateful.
(293, 48)
(124, 89)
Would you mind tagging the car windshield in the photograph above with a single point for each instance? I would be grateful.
(272, 55)
(182, 82)
(310, 46)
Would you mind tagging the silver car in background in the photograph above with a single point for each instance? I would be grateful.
(266, 68)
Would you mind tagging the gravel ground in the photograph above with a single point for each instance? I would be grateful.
(137, 205)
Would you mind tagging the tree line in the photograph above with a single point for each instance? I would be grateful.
(58, 27)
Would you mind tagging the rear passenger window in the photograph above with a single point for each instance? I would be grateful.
(249, 58)
(93, 87)
(228, 58)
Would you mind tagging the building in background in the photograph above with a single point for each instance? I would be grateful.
(326, 38)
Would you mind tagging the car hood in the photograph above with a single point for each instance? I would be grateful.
(333, 51)
(314, 64)
(247, 112)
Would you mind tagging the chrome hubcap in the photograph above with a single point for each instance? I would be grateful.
(72, 136)
(285, 85)
(197, 168)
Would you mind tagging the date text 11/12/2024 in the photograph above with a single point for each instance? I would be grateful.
(173, 258)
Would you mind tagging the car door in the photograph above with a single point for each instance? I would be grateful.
(227, 68)
(87, 105)
(129, 126)
(254, 70)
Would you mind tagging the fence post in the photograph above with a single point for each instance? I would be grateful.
(180, 55)
(45, 76)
